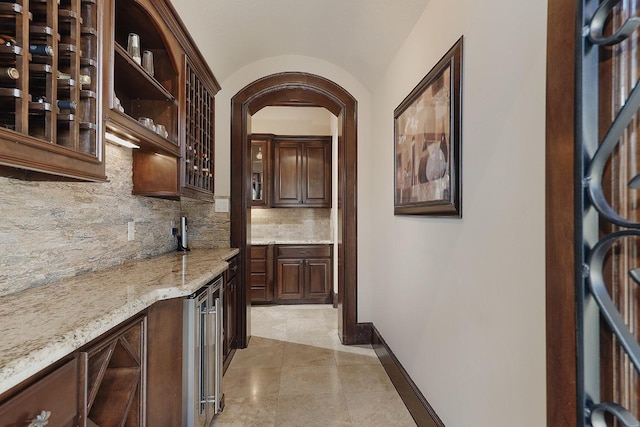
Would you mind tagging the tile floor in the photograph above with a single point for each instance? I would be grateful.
(295, 372)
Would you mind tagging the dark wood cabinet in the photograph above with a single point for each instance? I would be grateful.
(51, 90)
(116, 372)
(261, 281)
(304, 273)
(169, 112)
(57, 397)
(301, 171)
(261, 170)
(165, 323)
(230, 310)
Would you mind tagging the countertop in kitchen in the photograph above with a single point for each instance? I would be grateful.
(289, 242)
(42, 325)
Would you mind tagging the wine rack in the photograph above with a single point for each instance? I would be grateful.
(198, 153)
(115, 378)
(53, 104)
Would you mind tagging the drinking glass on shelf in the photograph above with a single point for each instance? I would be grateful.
(147, 61)
(133, 47)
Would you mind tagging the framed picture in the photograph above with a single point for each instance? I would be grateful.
(427, 142)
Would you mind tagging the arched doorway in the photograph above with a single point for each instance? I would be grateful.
(299, 89)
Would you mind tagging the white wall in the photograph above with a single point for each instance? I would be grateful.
(461, 301)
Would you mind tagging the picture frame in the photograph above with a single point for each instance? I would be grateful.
(427, 140)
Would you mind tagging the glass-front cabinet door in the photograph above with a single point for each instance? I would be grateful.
(260, 167)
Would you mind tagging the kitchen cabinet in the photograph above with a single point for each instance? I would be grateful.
(261, 281)
(116, 372)
(261, 170)
(165, 320)
(50, 89)
(304, 273)
(230, 310)
(55, 398)
(301, 171)
(168, 112)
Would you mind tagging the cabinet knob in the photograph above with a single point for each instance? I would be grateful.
(41, 420)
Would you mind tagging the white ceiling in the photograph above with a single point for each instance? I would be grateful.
(361, 36)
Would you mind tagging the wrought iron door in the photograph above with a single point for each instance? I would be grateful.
(608, 212)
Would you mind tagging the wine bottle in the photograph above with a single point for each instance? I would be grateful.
(9, 74)
(67, 105)
(41, 49)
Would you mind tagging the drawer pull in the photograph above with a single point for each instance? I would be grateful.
(41, 420)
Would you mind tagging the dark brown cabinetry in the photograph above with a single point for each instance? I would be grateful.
(301, 172)
(261, 281)
(116, 371)
(165, 363)
(261, 170)
(230, 310)
(304, 273)
(55, 397)
(50, 88)
(169, 112)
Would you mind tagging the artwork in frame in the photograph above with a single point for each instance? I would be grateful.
(427, 142)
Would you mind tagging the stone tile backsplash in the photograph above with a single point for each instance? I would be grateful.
(53, 230)
(291, 224)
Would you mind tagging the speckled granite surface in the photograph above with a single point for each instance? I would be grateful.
(291, 242)
(42, 325)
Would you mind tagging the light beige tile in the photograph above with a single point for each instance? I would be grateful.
(378, 409)
(322, 410)
(258, 411)
(361, 378)
(352, 358)
(307, 355)
(243, 382)
(265, 356)
(297, 380)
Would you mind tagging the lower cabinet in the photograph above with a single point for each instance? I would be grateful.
(115, 373)
(230, 310)
(102, 384)
(304, 273)
(130, 376)
(54, 399)
(261, 280)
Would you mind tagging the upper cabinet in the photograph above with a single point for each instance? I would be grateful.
(142, 101)
(161, 97)
(76, 72)
(260, 170)
(50, 88)
(301, 171)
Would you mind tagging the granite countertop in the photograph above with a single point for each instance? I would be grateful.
(42, 325)
(290, 242)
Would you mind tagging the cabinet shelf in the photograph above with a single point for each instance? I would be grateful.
(138, 81)
(149, 139)
(40, 68)
(115, 396)
(40, 106)
(10, 9)
(9, 92)
(10, 50)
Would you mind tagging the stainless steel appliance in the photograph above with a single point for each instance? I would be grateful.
(202, 355)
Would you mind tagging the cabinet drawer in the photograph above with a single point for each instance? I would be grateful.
(258, 266)
(233, 268)
(56, 393)
(259, 252)
(315, 251)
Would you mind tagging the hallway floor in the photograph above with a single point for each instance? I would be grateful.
(295, 372)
